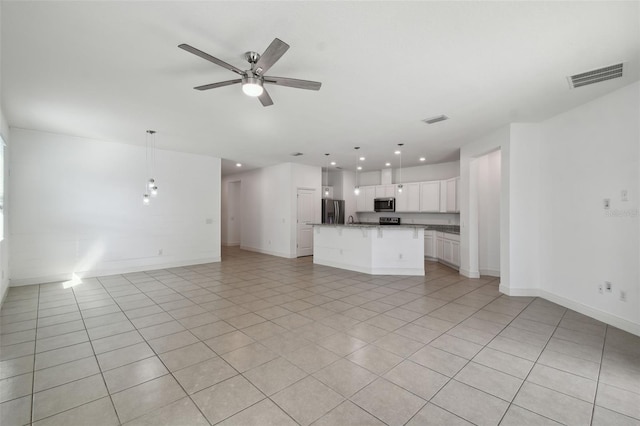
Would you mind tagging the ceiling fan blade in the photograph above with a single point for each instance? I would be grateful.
(220, 84)
(276, 49)
(210, 58)
(265, 99)
(293, 82)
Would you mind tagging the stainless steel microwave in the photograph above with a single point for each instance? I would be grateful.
(384, 204)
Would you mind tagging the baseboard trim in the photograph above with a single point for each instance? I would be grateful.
(230, 244)
(269, 252)
(469, 274)
(372, 270)
(605, 317)
(490, 272)
(18, 282)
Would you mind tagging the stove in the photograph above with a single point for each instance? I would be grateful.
(389, 221)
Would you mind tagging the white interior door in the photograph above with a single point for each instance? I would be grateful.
(305, 219)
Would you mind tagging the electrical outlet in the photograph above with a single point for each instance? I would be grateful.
(600, 289)
(607, 203)
(608, 286)
(623, 296)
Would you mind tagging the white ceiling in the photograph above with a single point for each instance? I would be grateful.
(111, 70)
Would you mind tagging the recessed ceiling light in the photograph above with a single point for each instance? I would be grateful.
(397, 152)
(422, 159)
(238, 164)
(333, 163)
(359, 167)
(387, 164)
(362, 158)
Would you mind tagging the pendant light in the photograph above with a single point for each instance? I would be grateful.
(356, 190)
(151, 188)
(326, 188)
(399, 152)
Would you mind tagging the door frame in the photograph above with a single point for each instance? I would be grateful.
(297, 236)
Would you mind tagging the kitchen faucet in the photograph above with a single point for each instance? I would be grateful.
(350, 220)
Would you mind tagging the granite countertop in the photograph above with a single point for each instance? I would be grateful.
(449, 229)
(368, 225)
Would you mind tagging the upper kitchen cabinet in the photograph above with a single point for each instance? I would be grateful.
(408, 200)
(364, 200)
(385, 191)
(453, 206)
(430, 196)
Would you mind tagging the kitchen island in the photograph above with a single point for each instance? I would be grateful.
(371, 249)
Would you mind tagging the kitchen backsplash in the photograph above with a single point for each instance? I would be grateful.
(413, 218)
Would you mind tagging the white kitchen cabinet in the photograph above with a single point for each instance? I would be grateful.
(430, 196)
(448, 248)
(409, 199)
(452, 195)
(364, 200)
(455, 253)
(443, 196)
(385, 191)
(439, 246)
(430, 245)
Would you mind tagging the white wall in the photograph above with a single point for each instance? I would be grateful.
(427, 172)
(557, 241)
(489, 214)
(423, 173)
(77, 208)
(231, 213)
(469, 209)
(268, 205)
(591, 153)
(343, 183)
(4, 244)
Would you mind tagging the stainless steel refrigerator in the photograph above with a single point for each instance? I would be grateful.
(332, 211)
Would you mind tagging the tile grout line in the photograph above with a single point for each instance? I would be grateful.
(157, 355)
(529, 373)
(304, 285)
(33, 376)
(469, 360)
(97, 363)
(595, 395)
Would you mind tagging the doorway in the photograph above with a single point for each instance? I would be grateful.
(234, 213)
(305, 217)
(487, 174)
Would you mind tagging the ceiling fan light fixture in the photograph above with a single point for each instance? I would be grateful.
(252, 86)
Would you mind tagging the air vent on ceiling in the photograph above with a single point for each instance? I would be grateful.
(296, 154)
(596, 76)
(435, 119)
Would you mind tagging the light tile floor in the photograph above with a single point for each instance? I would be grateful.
(260, 340)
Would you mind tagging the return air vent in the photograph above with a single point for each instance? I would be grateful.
(595, 76)
(435, 119)
(296, 154)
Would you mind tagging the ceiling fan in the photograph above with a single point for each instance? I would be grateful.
(253, 79)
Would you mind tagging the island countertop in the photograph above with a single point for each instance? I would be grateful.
(449, 229)
(369, 225)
